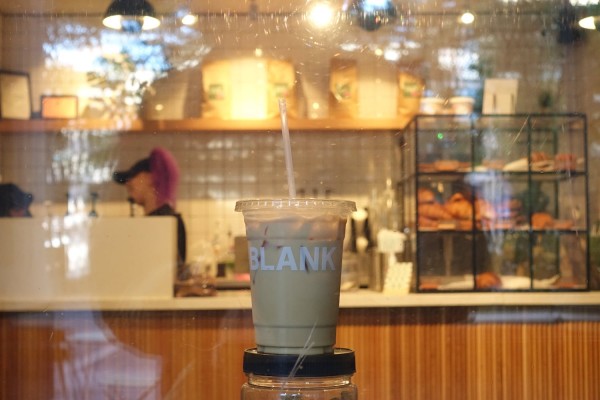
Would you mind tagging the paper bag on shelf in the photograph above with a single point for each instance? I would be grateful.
(410, 90)
(343, 88)
(281, 84)
(247, 88)
(216, 89)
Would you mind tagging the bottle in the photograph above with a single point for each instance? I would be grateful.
(93, 212)
(297, 377)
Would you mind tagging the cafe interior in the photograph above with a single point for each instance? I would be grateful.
(137, 138)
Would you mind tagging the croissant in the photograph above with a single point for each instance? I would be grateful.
(425, 222)
(488, 280)
(541, 220)
(565, 162)
(457, 197)
(484, 210)
(460, 209)
(433, 211)
(425, 196)
(537, 156)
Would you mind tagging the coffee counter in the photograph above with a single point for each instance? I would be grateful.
(417, 346)
(240, 300)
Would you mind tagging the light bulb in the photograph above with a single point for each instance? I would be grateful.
(467, 18)
(321, 15)
(189, 19)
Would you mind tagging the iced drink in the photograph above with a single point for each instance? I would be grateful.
(295, 257)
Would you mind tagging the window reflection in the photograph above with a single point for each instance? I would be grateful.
(130, 79)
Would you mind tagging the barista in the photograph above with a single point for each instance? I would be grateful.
(14, 202)
(152, 183)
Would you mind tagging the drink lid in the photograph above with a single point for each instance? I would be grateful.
(343, 207)
(340, 362)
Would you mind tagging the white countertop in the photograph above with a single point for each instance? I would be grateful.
(240, 300)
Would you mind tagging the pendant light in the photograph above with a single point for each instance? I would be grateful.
(130, 16)
(373, 14)
(467, 17)
(591, 17)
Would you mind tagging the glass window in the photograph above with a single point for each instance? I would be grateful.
(464, 132)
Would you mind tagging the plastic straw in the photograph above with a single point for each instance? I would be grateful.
(287, 147)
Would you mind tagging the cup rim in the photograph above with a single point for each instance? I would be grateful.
(342, 206)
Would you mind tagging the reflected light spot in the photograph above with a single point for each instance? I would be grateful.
(320, 15)
(258, 52)
(315, 106)
(159, 107)
(391, 55)
(350, 46)
(189, 19)
(378, 52)
(588, 23)
(467, 18)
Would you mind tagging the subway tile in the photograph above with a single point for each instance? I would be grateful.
(216, 169)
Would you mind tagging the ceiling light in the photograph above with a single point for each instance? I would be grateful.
(189, 19)
(467, 18)
(321, 14)
(590, 23)
(373, 14)
(591, 17)
(130, 16)
(185, 16)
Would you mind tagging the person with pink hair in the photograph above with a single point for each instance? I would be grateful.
(152, 183)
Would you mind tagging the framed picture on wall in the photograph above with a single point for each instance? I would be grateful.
(56, 107)
(15, 95)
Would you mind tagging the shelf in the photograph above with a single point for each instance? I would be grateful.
(483, 176)
(523, 230)
(522, 187)
(201, 125)
(240, 300)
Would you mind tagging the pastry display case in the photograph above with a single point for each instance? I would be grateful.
(496, 202)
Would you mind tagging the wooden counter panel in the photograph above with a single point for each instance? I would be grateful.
(402, 353)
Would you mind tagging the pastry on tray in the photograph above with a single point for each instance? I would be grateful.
(565, 162)
(498, 224)
(434, 211)
(446, 165)
(427, 223)
(542, 220)
(459, 207)
(540, 161)
(563, 224)
(488, 280)
(426, 167)
(425, 196)
(495, 164)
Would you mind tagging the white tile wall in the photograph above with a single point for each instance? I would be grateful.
(219, 168)
(216, 170)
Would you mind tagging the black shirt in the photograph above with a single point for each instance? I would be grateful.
(166, 209)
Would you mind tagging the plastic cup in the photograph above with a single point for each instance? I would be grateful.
(295, 256)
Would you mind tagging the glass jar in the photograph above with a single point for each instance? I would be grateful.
(296, 377)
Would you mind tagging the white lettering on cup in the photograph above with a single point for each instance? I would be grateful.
(320, 259)
(326, 258)
(263, 261)
(286, 259)
(306, 256)
(254, 263)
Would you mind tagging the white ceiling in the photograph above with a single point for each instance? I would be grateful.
(268, 6)
(166, 7)
(160, 6)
